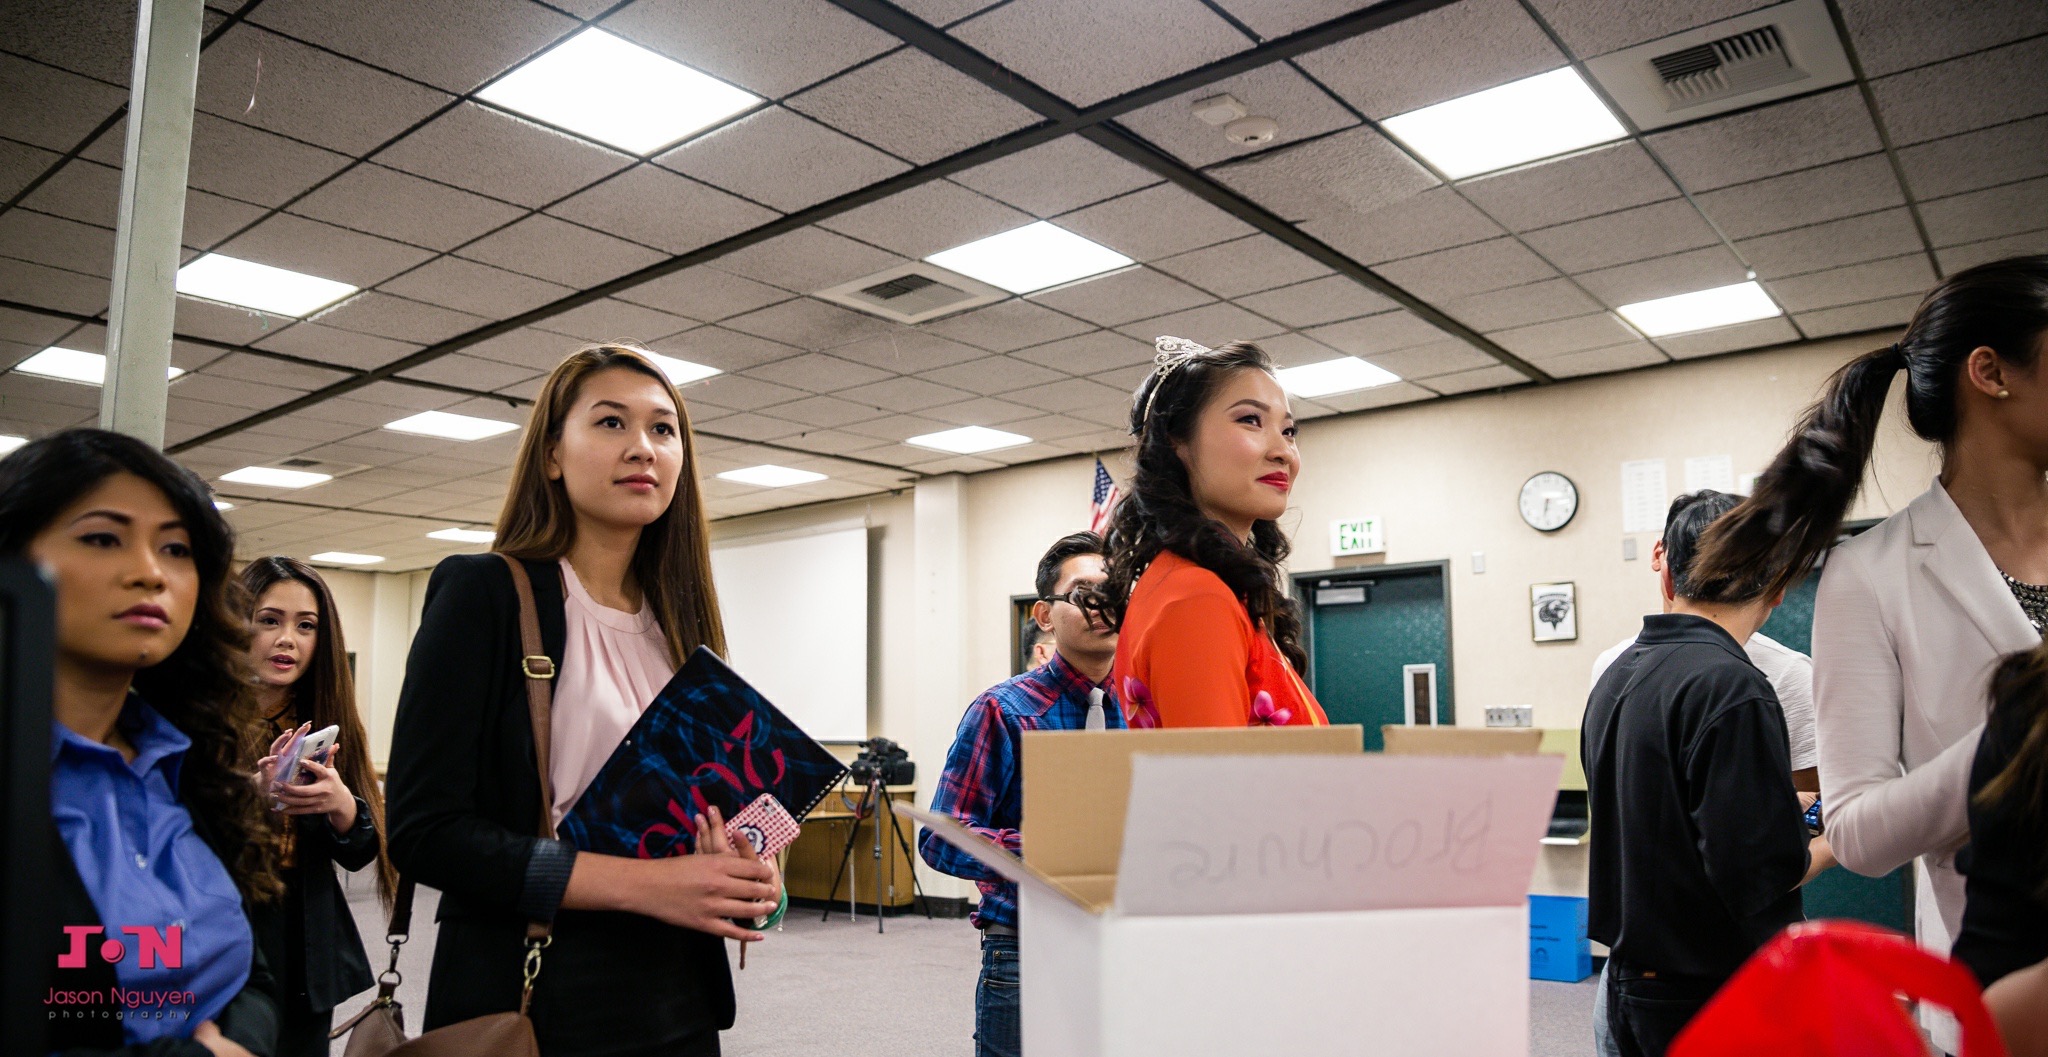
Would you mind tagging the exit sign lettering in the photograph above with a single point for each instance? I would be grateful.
(1357, 536)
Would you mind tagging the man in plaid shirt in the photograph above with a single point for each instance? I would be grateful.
(983, 782)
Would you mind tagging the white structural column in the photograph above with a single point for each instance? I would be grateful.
(152, 218)
(940, 626)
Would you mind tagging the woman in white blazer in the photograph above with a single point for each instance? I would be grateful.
(1913, 615)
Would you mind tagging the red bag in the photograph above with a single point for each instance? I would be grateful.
(1834, 989)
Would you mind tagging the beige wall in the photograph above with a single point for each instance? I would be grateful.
(378, 613)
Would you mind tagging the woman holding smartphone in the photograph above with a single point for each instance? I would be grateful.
(1208, 635)
(150, 759)
(605, 516)
(327, 815)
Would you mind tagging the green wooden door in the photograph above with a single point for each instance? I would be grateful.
(1361, 641)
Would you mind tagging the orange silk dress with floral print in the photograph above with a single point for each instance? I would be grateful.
(1189, 656)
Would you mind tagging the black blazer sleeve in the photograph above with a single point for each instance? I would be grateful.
(352, 850)
(444, 834)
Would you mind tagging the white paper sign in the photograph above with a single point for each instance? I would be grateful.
(1281, 834)
(1644, 496)
(1360, 536)
(1710, 471)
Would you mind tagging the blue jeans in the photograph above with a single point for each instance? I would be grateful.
(1603, 1036)
(998, 1032)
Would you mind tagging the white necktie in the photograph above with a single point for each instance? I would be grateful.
(1095, 718)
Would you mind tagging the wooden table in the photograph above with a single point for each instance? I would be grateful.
(812, 859)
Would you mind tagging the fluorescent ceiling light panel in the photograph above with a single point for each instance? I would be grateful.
(9, 442)
(222, 504)
(1701, 310)
(345, 558)
(682, 372)
(71, 365)
(463, 535)
(450, 426)
(1345, 374)
(616, 92)
(1521, 121)
(216, 277)
(770, 476)
(1029, 258)
(272, 477)
(969, 440)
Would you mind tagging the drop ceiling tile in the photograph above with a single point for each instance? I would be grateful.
(1520, 305)
(1243, 266)
(1056, 177)
(314, 248)
(1596, 27)
(1465, 270)
(1006, 325)
(1386, 332)
(655, 207)
(1557, 190)
(903, 395)
(51, 108)
(46, 287)
(412, 39)
(824, 442)
(1452, 51)
(401, 206)
(913, 106)
(57, 242)
(1983, 158)
(768, 47)
(1869, 281)
(982, 411)
(1544, 341)
(20, 163)
(1278, 91)
(277, 373)
(238, 161)
(1052, 427)
(1956, 258)
(817, 373)
(1601, 361)
(1972, 92)
(528, 347)
(259, 78)
(1436, 219)
(233, 392)
(1770, 140)
(96, 40)
(1472, 381)
(1317, 301)
(942, 12)
(727, 350)
(1209, 324)
(751, 425)
(1831, 245)
(1754, 335)
(1087, 52)
(824, 411)
(781, 158)
(1848, 319)
(1986, 214)
(957, 464)
(1125, 380)
(1159, 221)
(808, 324)
(1894, 35)
(1680, 273)
(1430, 360)
(90, 193)
(808, 260)
(385, 316)
(33, 328)
(992, 374)
(1634, 234)
(1355, 171)
(493, 153)
(479, 289)
(926, 219)
(1802, 198)
(908, 351)
(703, 293)
(560, 252)
(613, 320)
(1378, 396)
(737, 392)
(1071, 394)
(1089, 353)
(1133, 293)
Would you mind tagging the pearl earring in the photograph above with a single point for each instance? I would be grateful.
(2003, 393)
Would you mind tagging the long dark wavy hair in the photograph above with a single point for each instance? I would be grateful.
(1796, 511)
(2019, 697)
(325, 695)
(200, 687)
(1160, 512)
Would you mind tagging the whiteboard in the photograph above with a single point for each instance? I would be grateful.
(796, 624)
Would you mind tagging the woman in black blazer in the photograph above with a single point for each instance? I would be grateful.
(605, 487)
(303, 683)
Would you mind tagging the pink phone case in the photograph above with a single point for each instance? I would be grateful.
(765, 824)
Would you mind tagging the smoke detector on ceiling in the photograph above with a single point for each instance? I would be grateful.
(1790, 49)
(912, 293)
(1226, 112)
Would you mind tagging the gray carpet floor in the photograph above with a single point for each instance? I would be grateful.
(839, 988)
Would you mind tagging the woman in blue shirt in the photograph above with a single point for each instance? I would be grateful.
(150, 767)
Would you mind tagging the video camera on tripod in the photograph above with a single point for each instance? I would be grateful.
(880, 757)
(881, 763)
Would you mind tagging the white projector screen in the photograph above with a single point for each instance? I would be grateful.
(796, 624)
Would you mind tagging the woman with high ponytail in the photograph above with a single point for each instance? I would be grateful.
(1913, 615)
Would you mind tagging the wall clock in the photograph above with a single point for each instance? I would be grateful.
(1548, 501)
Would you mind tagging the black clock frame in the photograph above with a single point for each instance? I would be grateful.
(1568, 517)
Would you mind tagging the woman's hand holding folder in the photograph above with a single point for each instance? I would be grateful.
(705, 891)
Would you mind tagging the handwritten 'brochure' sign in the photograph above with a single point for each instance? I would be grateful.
(1280, 834)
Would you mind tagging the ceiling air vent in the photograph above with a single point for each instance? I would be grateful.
(912, 293)
(1785, 50)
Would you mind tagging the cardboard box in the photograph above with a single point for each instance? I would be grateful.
(1558, 947)
(1270, 891)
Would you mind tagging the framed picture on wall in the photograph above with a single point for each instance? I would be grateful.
(1554, 612)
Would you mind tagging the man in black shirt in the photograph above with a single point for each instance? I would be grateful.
(1698, 848)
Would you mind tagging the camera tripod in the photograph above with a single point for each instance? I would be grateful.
(874, 800)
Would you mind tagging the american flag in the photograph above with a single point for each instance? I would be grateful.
(1104, 502)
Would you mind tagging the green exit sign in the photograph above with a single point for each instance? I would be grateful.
(1357, 536)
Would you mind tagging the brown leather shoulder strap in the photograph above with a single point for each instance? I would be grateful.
(539, 669)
